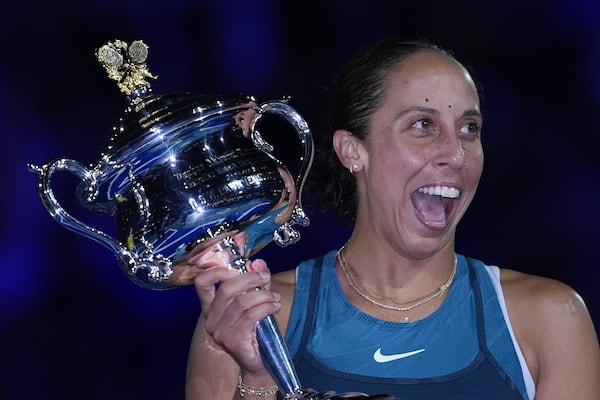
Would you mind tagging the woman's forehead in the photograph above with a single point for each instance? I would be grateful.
(428, 62)
(427, 73)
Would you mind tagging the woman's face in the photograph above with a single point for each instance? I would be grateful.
(422, 159)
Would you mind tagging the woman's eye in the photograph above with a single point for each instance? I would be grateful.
(424, 124)
(471, 128)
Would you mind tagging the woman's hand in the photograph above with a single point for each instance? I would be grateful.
(231, 303)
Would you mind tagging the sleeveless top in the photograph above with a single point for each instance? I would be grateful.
(465, 349)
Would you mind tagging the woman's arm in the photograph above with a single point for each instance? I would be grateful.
(211, 372)
(557, 335)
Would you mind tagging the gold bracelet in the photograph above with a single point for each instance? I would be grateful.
(258, 392)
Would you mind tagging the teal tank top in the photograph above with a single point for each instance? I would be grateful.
(463, 350)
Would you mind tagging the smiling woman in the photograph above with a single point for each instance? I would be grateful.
(396, 309)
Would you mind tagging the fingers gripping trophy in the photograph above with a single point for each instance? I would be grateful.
(181, 169)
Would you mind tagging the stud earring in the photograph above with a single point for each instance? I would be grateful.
(353, 168)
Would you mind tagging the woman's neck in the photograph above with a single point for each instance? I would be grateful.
(388, 271)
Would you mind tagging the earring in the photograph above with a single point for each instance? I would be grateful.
(353, 168)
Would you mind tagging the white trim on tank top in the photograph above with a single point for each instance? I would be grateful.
(494, 273)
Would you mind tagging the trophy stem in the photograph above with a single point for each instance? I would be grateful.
(276, 357)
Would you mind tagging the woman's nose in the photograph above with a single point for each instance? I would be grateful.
(451, 152)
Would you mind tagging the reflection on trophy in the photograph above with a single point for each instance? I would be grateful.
(181, 169)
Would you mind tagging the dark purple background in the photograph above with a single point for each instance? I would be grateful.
(72, 326)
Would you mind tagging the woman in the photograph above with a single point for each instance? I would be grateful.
(396, 310)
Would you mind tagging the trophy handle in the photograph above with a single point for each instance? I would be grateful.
(292, 116)
(285, 234)
(65, 219)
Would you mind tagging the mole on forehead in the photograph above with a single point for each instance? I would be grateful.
(427, 101)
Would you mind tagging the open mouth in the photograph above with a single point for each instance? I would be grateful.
(434, 204)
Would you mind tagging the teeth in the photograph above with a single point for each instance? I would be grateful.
(444, 191)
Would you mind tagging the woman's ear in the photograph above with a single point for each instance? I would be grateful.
(347, 148)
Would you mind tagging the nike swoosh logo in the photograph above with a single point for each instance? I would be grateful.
(382, 358)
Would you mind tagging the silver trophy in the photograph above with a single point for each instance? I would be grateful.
(181, 169)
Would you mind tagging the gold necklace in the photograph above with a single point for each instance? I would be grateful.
(403, 320)
(347, 273)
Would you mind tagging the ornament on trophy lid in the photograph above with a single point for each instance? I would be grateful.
(126, 64)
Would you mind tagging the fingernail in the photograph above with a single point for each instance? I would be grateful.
(277, 296)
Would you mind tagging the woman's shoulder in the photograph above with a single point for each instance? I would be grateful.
(546, 301)
(284, 279)
(545, 295)
(285, 283)
(546, 315)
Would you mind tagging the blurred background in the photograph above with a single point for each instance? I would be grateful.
(73, 326)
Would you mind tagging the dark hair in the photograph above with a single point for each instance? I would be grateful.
(356, 94)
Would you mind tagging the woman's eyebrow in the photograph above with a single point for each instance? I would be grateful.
(432, 111)
(472, 113)
(427, 110)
